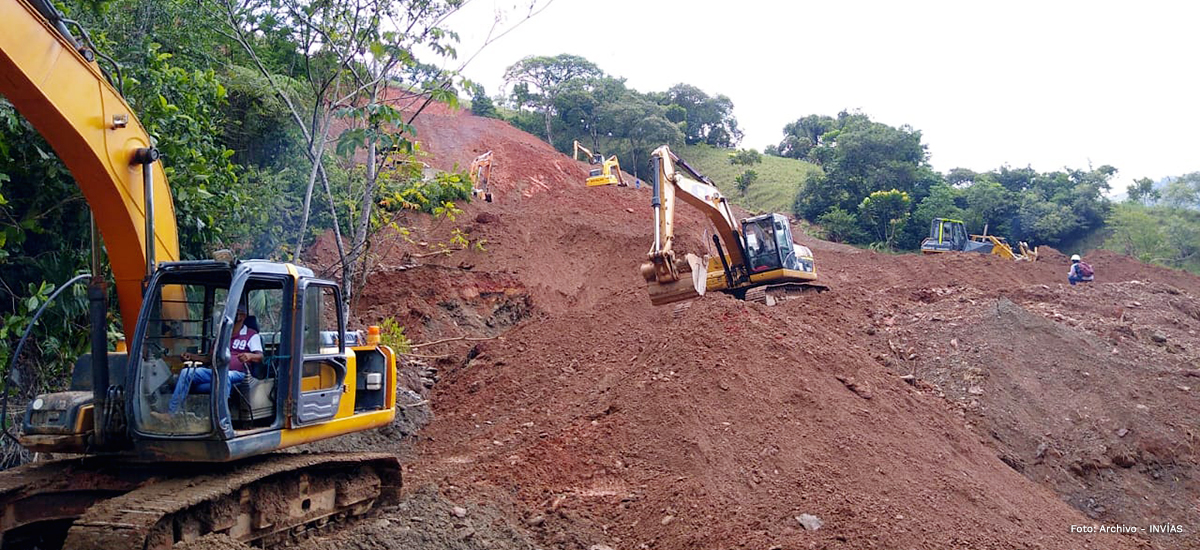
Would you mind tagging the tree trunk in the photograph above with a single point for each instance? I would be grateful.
(354, 268)
(317, 169)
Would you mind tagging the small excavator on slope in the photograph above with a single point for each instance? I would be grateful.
(947, 235)
(480, 174)
(756, 258)
(154, 466)
(609, 171)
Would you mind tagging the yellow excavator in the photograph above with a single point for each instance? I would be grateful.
(608, 171)
(948, 235)
(480, 173)
(156, 459)
(756, 258)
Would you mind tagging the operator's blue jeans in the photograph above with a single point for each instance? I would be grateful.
(199, 379)
(1073, 279)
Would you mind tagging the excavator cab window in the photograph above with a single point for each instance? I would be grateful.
(787, 250)
(959, 236)
(178, 318)
(763, 244)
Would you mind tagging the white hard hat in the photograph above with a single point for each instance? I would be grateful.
(1075, 257)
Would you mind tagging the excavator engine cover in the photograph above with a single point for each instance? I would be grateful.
(690, 285)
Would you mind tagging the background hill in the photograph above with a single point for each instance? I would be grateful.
(779, 179)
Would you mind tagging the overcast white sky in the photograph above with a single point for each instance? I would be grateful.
(1047, 84)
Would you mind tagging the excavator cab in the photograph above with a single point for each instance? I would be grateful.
(947, 235)
(314, 380)
(186, 314)
(769, 245)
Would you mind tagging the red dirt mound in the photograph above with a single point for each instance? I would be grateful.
(604, 421)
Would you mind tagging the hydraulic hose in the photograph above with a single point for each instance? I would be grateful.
(21, 343)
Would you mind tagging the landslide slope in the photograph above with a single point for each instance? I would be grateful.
(596, 418)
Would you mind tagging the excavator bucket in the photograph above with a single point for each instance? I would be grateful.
(691, 284)
(1027, 254)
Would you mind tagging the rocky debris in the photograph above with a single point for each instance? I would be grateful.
(856, 387)
(809, 522)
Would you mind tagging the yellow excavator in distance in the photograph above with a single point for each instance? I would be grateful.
(481, 174)
(756, 258)
(948, 235)
(609, 171)
(151, 459)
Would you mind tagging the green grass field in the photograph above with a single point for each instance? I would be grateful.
(776, 187)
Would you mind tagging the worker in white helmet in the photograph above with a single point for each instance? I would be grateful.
(1080, 272)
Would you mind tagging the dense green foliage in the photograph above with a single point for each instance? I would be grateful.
(861, 157)
(1159, 227)
(239, 97)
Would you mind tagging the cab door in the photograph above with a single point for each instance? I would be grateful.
(319, 357)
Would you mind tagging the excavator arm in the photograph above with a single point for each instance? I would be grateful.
(590, 157)
(670, 278)
(481, 175)
(93, 130)
(609, 172)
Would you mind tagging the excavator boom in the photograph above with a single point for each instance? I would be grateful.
(97, 136)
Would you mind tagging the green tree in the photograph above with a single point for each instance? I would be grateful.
(582, 111)
(1142, 191)
(840, 226)
(182, 110)
(804, 135)
(961, 177)
(1136, 233)
(482, 105)
(1183, 191)
(638, 126)
(745, 157)
(864, 157)
(885, 213)
(708, 119)
(545, 77)
(990, 206)
(744, 180)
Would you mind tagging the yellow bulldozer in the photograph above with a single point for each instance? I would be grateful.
(949, 235)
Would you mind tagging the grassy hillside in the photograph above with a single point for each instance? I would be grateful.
(775, 189)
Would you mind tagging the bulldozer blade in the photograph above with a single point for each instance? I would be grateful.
(691, 284)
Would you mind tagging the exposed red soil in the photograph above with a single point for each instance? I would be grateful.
(598, 419)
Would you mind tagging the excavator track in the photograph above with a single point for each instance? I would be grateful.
(265, 500)
(775, 294)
